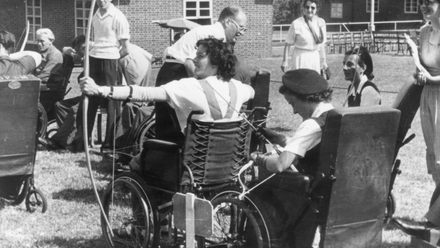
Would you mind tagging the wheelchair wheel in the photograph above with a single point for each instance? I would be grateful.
(239, 223)
(146, 131)
(24, 189)
(34, 200)
(131, 213)
(52, 128)
(42, 121)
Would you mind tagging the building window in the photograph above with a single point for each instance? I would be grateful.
(336, 10)
(33, 15)
(82, 10)
(199, 11)
(376, 6)
(411, 6)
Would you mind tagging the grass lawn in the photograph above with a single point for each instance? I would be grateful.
(73, 217)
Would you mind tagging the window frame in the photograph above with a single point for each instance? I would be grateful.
(198, 10)
(411, 3)
(369, 8)
(332, 14)
(31, 18)
(84, 18)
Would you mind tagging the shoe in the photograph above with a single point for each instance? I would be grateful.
(420, 232)
(50, 144)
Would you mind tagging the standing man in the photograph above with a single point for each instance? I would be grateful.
(50, 71)
(21, 63)
(111, 38)
(179, 62)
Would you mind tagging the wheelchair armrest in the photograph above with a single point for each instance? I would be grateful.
(287, 180)
(162, 145)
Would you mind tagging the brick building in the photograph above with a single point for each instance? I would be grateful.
(336, 11)
(68, 18)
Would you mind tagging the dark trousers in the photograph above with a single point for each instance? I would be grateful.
(48, 99)
(103, 72)
(65, 113)
(167, 125)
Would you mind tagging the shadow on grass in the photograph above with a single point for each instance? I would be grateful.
(77, 195)
(72, 242)
(105, 166)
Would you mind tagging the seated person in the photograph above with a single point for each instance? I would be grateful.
(50, 71)
(214, 71)
(358, 70)
(20, 63)
(309, 95)
(136, 69)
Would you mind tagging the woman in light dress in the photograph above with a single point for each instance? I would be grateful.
(307, 35)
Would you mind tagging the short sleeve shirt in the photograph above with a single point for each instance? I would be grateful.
(23, 66)
(300, 35)
(185, 47)
(108, 29)
(308, 134)
(187, 95)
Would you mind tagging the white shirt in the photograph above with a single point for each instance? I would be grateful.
(185, 47)
(108, 29)
(300, 35)
(370, 96)
(308, 134)
(187, 95)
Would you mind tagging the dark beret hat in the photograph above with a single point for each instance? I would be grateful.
(304, 81)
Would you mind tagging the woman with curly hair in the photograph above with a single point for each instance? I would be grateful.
(212, 90)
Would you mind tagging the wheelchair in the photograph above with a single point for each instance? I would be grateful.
(18, 142)
(138, 203)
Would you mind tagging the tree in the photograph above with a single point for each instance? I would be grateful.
(283, 11)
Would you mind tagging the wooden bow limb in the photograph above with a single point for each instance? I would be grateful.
(26, 36)
(85, 109)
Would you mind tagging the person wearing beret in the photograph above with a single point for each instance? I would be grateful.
(358, 70)
(309, 95)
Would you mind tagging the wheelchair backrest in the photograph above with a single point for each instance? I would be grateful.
(357, 154)
(261, 85)
(215, 151)
(408, 102)
(18, 124)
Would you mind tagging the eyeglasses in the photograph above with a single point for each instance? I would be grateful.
(241, 29)
(310, 7)
(426, 2)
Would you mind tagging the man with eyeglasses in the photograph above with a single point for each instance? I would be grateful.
(179, 61)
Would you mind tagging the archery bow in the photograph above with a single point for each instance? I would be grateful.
(25, 37)
(25, 33)
(85, 109)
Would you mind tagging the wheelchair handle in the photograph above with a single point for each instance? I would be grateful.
(194, 112)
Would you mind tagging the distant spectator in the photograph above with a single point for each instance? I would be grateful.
(308, 36)
(50, 71)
